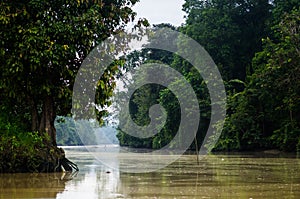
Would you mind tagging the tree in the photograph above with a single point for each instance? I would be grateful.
(266, 113)
(150, 94)
(281, 8)
(67, 132)
(43, 44)
(279, 62)
(231, 31)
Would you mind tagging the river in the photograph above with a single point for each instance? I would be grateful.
(256, 176)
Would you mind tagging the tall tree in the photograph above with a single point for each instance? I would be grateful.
(266, 113)
(43, 44)
(231, 31)
(149, 95)
(279, 62)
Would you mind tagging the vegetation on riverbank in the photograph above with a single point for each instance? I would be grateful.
(67, 134)
(25, 151)
(255, 44)
(43, 44)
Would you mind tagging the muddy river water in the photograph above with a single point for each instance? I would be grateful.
(249, 176)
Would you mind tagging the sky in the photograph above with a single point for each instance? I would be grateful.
(161, 11)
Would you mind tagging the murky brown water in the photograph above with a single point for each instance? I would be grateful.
(217, 176)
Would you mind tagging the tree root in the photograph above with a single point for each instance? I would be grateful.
(63, 164)
(66, 165)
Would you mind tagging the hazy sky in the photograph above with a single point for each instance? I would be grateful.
(160, 11)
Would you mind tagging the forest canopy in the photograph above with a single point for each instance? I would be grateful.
(43, 44)
(255, 45)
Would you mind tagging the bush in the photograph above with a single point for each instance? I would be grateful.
(25, 151)
(20, 152)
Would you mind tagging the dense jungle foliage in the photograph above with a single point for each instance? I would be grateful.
(255, 45)
(43, 44)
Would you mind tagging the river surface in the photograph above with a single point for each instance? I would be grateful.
(217, 176)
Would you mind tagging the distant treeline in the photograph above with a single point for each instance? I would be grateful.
(67, 134)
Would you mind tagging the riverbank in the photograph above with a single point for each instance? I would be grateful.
(30, 152)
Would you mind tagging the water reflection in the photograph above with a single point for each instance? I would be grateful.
(31, 185)
(217, 176)
(94, 180)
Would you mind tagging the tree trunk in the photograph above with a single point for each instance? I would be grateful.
(43, 121)
(34, 119)
(47, 119)
(34, 114)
